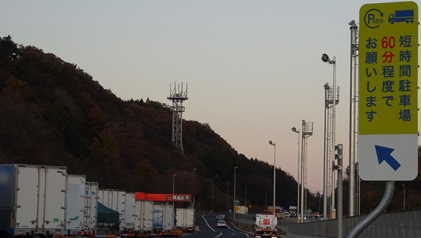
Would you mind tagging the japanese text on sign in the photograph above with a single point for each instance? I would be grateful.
(388, 75)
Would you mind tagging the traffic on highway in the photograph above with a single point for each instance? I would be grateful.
(208, 228)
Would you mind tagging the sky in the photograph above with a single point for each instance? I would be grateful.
(253, 68)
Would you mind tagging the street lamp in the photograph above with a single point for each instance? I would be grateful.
(403, 196)
(298, 172)
(326, 150)
(274, 174)
(194, 178)
(326, 59)
(173, 183)
(306, 131)
(213, 180)
(245, 199)
(173, 187)
(227, 195)
(235, 182)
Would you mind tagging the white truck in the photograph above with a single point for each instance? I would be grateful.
(185, 219)
(129, 210)
(91, 208)
(32, 201)
(143, 217)
(75, 204)
(293, 211)
(265, 226)
(163, 218)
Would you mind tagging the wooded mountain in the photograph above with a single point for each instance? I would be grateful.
(54, 113)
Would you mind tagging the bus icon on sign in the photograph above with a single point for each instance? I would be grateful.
(402, 16)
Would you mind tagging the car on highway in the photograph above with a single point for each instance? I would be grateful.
(221, 223)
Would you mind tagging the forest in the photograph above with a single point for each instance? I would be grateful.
(54, 113)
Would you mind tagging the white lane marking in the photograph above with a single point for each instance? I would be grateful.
(203, 216)
(218, 235)
(238, 231)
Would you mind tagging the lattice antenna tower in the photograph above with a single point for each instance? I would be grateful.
(177, 95)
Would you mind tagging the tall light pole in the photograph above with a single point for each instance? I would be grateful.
(306, 131)
(227, 195)
(245, 198)
(194, 178)
(403, 196)
(173, 187)
(235, 183)
(326, 59)
(274, 174)
(326, 151)
(213, 180)
(298, 172)
(353, 115)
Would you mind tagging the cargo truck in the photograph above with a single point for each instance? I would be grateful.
(32, 201)
(293, 211)
(75, 205)
(143, 217)
(265, 225)
(129, 209)
(163, 218)
(43, 201)
(185, 219)
(91, 209)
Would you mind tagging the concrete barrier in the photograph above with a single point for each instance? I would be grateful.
(388, 225)
(403, 224)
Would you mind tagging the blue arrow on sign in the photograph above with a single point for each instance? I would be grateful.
(384, 154)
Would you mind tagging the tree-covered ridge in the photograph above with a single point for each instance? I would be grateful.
(55, 113)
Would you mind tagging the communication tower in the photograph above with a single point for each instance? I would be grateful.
(177, 95)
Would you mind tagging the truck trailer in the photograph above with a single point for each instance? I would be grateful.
(91, 209)
(143, 217)
(185, 219)
(32, 200)
(163, 218)
(75, 205)
(265, 226)
(129, 212)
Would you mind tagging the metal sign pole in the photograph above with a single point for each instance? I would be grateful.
(388, 194)
(340, 190)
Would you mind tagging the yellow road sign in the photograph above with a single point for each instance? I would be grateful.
(237, 208)
(388, 68)
(388, 92)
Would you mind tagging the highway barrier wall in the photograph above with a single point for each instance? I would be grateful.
(388, 225)
(403, 224)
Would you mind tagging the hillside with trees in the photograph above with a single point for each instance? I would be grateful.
(54, 113)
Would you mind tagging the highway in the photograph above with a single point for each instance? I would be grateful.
(208, 229)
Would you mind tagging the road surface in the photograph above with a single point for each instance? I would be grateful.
(208, 229)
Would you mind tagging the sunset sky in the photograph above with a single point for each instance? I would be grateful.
(253, 68)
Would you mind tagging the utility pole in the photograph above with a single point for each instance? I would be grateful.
(245, 199)
(306, 131)
(227, 195)
(235, 182)
(353, 115)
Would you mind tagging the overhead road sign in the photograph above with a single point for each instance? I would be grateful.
(388, 92)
